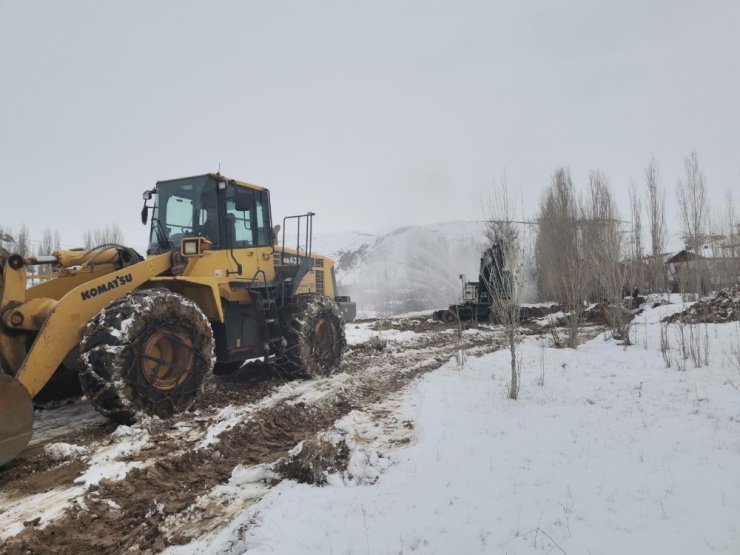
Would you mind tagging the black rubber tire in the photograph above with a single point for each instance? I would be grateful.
(313, 328)
(450, 317)
(117, 375)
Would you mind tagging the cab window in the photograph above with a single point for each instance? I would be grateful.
(263, 224)
(248, 217)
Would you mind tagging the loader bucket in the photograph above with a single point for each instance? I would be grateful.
(16, 418)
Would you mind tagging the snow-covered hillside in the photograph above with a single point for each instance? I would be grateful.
(410, 268)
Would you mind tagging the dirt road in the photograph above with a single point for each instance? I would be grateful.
(86, 485)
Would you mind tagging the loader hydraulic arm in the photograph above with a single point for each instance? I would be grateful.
(62, 330)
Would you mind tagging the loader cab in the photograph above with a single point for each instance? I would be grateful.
(229, 213)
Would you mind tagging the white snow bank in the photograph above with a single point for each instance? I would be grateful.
(362, 332)
(613, 454)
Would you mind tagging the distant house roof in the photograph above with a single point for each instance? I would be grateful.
(682, 256)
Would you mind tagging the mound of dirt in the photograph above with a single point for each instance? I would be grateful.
(723, 307)
(313, 460)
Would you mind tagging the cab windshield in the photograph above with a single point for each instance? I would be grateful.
(184, 208)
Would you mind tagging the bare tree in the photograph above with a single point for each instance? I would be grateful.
(725, 248)
(87, 239)
(46, 246)
(656, 223)
(23, 242)
(50, 242)
(506, 273)
(636, 248)
(603, 246)
(692, 199)
(730, 246)
(103, 236)
(561, 272)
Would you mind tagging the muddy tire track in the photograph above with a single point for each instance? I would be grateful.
(128, 515)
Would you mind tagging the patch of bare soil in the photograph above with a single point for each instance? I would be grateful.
(43, 475)
(313, 459)
(419, 325)
(251, 382)
(128, 516)
(723, 307)
(425, 325)
(35, 471)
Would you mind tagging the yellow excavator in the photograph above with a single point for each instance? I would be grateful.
(142, 335)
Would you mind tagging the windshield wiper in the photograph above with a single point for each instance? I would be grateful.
(164, 241)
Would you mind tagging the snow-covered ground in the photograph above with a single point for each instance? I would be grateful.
(605, 451)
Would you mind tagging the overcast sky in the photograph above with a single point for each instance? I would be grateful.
(372, 114)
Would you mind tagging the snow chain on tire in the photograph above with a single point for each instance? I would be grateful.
(149, 351)
(314, 330)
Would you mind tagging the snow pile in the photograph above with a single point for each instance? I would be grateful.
(64, 451)
(614, 453)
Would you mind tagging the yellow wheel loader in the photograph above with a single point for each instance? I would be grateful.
(142, 335)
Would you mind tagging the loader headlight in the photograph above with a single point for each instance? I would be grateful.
(195, 246)
(190, 247)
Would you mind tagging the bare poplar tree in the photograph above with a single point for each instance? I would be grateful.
(23, 242)
(50, 242)
(656, 222)
(558, 234)
(731, 242)
(692, 199)
(103, 236)
(46, 246)
(636, 248)
(507, 273)
(561, 271)
(22, 246)
(603, 246)
(725, 251)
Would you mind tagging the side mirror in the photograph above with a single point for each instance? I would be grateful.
(147, 195)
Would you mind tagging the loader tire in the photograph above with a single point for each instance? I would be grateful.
(313, 328)
(148, 352)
